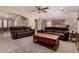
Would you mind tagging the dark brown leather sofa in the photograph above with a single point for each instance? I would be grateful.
(62, 31)
(21, 31)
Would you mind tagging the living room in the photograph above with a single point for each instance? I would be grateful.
(38, 18)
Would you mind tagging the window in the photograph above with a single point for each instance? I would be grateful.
(4, 23)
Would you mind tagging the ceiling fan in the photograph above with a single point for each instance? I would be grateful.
(40, 9)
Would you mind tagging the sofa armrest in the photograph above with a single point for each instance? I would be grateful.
(32, 29)
(66, 34)
(13, 34)
(40, 31)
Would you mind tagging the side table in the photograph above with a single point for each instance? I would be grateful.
(72, 35)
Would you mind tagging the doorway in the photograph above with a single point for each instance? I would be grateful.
(4, 25)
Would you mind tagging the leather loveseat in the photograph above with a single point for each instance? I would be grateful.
(62, 31)
(21, 31)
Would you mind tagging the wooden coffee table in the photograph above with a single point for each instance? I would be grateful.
(47, 38)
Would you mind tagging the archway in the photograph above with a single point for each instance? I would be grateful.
(11, 19)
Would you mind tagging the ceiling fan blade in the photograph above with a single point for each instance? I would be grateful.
(34, 10)
(38, 7)
(44, 11)
(45, 8)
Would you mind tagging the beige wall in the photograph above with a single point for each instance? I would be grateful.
(70, 18)
(78, 22)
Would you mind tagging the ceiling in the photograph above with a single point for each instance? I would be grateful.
(54, 8)
(53, 11)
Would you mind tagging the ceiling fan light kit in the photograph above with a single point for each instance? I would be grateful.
(62, 9)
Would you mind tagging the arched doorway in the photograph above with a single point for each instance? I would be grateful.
(10, 19)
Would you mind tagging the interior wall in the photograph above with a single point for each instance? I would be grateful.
(34, 15)
(78, 22)
(70, 18)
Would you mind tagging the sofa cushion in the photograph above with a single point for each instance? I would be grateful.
(25, 33)
(19, 31)
(27, 30)
(60, 34)
(16, 27)
(50, 30)
(27, 27)
(59, 31)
